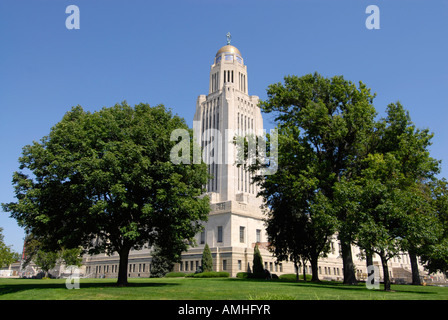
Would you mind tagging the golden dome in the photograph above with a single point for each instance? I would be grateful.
(228, 49)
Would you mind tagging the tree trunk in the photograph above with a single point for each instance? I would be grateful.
(347, 263)
(123, 267)
(415, 273)
(369, 259)
(304, 270)
(314, 268)
(296, 267)
(385, 273)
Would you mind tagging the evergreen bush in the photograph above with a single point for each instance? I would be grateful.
(258, 261)
(175, 275)
(207, 260)
(212, 274)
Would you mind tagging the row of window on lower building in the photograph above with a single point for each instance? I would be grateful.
(113, 268)
(193, 265)
(219, 235)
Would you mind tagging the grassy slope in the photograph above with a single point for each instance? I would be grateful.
(208, 289)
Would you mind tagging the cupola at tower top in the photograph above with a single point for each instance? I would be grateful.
(228, 53)
(228, 49)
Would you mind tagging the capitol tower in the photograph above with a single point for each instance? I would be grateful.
(235, 222)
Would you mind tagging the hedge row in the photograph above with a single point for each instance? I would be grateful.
(241, 275)
(212, 274)
(284, 277)
(175, 275)
(293, 277)
(246, 275)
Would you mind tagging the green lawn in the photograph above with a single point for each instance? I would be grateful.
(208, 289)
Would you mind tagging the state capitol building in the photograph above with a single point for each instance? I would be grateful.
(235, 222)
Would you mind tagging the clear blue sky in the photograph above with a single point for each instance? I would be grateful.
(161, 52)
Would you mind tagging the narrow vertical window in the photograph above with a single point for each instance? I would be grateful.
(238, 121)
(202, 237)
(217, 121)
(242, 234)
(239, 178)
(245, 179)
(216, 177)
(242, 180)
(212, 166)
(219, 233)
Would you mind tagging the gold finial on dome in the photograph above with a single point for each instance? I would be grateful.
(229, 38)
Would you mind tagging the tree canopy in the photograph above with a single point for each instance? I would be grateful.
(331, 120)
(343, 171)
(104, 181)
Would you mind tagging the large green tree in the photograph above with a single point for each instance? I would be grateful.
(105, 181)
(434, 253)
(7, 255)
(46, 260)
(299, 225)
(336, 120)
(386, 198)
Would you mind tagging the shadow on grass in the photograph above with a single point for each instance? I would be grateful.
(21, 285)
(340, 286)
(362, 287)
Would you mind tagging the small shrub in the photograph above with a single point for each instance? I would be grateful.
(257, 275)
(207, 260)
(258, 260)
(292, 277)
(175, 275)
(211, 274)
(242, 275)
(252, 275)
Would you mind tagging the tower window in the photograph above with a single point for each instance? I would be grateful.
(220, 234)
(242, 229)
(258, 235)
